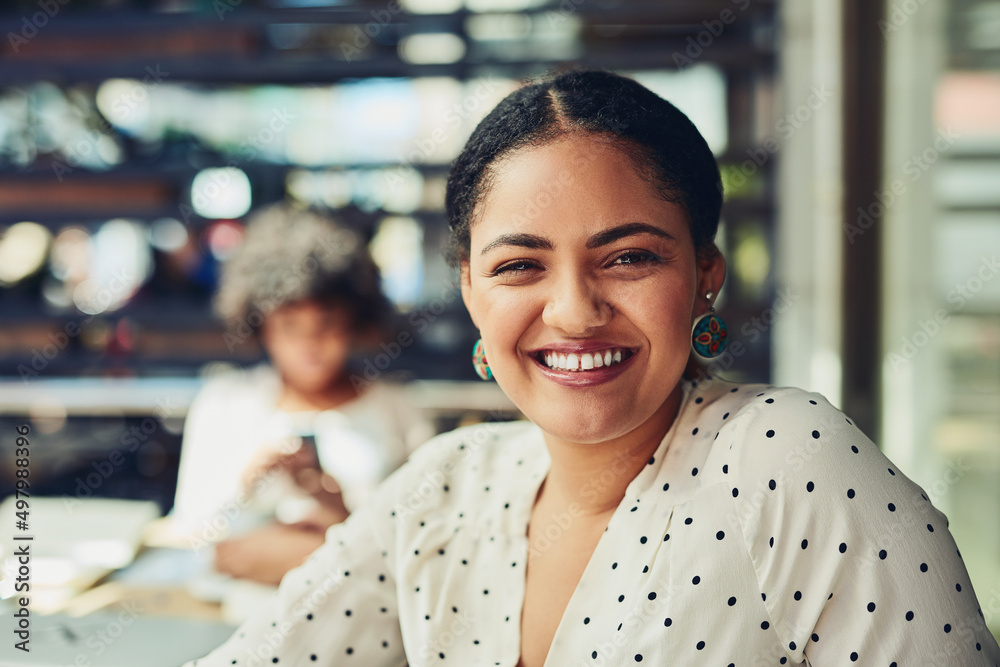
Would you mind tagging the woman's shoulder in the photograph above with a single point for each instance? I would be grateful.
(765, 430)
(486, 447)
(454, 468)
(740, 401)
(787, 442)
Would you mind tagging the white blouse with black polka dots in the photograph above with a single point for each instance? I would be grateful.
(766, 530)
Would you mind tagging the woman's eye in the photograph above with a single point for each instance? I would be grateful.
(514, 267)
(636, 258)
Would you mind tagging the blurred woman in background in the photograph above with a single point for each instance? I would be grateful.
(274, 455)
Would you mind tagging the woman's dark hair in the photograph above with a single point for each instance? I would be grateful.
(292, 255)
(667, 148)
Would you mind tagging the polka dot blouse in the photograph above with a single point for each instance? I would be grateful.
(765, 530)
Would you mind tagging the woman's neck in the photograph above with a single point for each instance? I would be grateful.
(295, 399)
(578, 474)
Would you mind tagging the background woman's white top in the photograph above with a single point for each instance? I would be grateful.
(234, 415)
(766, 530)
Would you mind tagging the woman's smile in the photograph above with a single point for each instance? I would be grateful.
(583, 365)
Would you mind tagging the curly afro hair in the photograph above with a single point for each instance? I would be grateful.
(292, 255)
(668, 150)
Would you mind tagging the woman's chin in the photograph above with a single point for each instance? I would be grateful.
(586, 430)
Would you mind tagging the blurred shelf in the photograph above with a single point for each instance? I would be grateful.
(171, 397)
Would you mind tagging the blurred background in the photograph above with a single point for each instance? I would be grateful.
(859, 144)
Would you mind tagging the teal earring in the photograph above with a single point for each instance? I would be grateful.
(479, 361)
(709, 335)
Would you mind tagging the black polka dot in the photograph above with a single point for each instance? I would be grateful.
(843, 547)
(947, 627)
(805, 543)
(696, 580)
(797, 596)
(850, 493)
(651, 596)
(770, 433)
(923, 567)
(695, 431)
(736, 492)
(892, 507)
(694, 471)
(810, 486)
(772, 485)
(719, 535)
(871, 606)
(638, 657)
(815, 434)
(854, 657)
(666, 486)
(667, 622)
(586, 621)
(732, 601)
(909, 615)
(882, 554)
(765, 625)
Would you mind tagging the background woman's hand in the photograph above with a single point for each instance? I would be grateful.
(272, 457)
(265, 555)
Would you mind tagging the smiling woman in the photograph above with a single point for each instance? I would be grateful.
(645, 512)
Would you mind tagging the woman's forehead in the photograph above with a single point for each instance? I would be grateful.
(572, 186)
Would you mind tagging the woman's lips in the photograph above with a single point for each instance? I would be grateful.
(584, 368)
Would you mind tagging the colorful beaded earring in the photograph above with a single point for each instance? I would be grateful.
(709, 336)
(479, 361)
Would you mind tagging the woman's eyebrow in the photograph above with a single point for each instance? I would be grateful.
(520, 240)
(628, 229)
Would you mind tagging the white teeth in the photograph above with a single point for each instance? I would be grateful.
(581, 362)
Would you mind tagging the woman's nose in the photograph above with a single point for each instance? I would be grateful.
(576, 306)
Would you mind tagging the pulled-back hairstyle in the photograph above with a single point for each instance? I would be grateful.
(667, 149)
(292, 255)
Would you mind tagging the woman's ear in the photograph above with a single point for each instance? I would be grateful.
(711, 266)
(466, 282)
